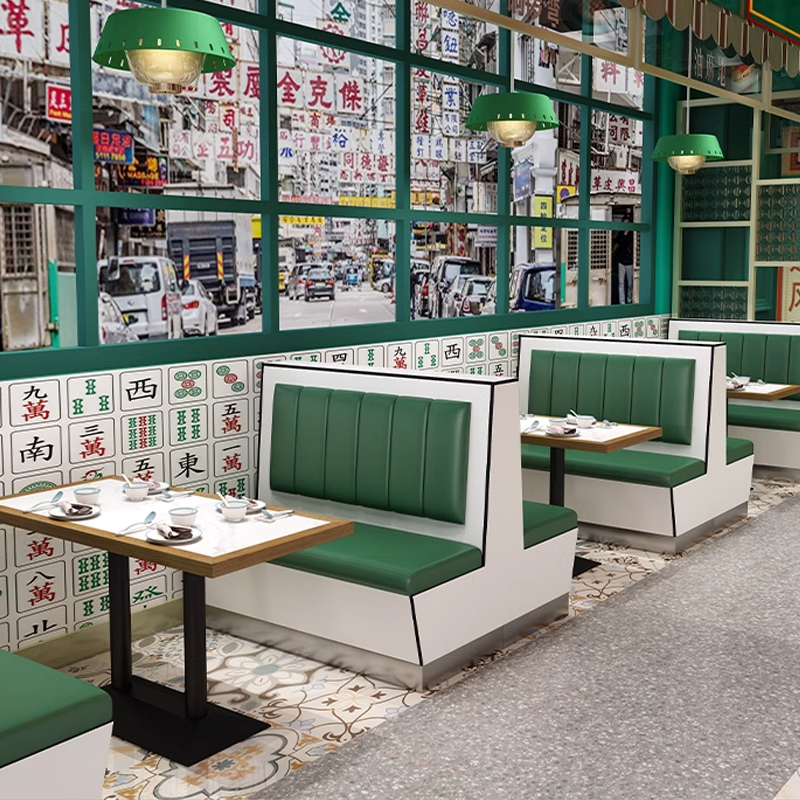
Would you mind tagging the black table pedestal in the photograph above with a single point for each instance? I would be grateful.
(182, 726)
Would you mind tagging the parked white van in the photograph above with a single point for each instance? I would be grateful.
(146, 290)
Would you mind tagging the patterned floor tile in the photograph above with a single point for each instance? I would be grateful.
(313, 707)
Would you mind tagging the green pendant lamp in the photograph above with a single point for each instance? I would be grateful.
(688, 152)
(511, 118)
(165, 48)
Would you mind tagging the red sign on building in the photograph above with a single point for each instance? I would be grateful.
(59, 102)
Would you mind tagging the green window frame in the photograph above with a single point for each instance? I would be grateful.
(86, 199)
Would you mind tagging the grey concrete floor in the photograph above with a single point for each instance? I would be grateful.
(686, 685)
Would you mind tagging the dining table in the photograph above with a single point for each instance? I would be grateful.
(764, 392)
(599, 437)
(182, 726)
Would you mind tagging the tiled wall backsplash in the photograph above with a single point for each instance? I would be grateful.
(189, 424)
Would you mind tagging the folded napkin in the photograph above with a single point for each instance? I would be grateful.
(560, 430)
(75, 509)
(174, 531)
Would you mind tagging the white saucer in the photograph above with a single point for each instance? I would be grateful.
(562, 435)
(254, 510)
(157, 490)
(57, 513)
(154, 537)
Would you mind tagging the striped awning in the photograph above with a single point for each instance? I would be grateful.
(726, 28)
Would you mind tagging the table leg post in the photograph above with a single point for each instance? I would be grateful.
(119, 611)
(194, 644)
(556, 476)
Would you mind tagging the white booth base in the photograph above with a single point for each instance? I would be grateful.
(651, 517)
(71, 770)
(774, 449)
(414, 640)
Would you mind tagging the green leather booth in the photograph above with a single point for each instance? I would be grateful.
(42, 708)
(406, 455)
(640, 390)
(771, 357)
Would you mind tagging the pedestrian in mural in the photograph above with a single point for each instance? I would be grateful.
(623, 254)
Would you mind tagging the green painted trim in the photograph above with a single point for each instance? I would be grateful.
(647, 238)
(584, 188)
(52, 293)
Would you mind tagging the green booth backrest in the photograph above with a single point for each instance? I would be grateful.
(642, 390)
(404, 454)
(771, 357)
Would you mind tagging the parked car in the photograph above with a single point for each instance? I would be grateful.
(113, 328)
(490, 304)
(420, 288)
(295, 286)
(146, 290)
(444, 271)
(473, 296)
(452, 298)
(199, 312)
(384, 282)
(319, 282)
(533, 287)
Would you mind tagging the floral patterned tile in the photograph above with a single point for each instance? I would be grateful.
(313, 707)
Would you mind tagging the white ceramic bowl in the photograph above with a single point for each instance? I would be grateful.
(136, 490)
(234, 510)
(585, 420)
(87, 494)
(560, 421)
(742, 380)
(183, 516)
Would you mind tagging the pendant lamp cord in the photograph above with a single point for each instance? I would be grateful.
(688, 89)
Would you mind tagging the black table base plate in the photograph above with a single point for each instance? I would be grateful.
(152, 716)
(582, 565)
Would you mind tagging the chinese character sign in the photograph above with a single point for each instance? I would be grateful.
(112, 147)
(22, 29)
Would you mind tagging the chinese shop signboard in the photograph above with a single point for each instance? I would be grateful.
(59, 103)
(150, 171)
(112, 147)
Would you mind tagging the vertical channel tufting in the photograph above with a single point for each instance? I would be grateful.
(564, 395)
(341, 445)
(794, 365)
(447, 461)
(753, 354)
(407, 458)
(540, 382)
(646, 395)
(677, 400)
(374, 450)
(312, 419)
(592, 384)
(733, 347)
(619, 382)
(776, 361)
(282, 440)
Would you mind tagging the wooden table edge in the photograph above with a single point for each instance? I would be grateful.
(644, 434)
(174, 557)
(778, 394)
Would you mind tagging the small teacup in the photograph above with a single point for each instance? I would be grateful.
(585, 420)
(136, 490)
(234, 510)
(183, 516)
(87, 494)
(559, 422)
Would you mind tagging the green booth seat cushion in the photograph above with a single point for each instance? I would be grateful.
(737, 449)
(629, 466)
(764, 415)
(387, 559)
(42, 707)
(541, 522)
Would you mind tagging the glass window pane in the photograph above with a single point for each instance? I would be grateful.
(447, 35)
(366, 20)
(37, 277)
(336, 271)
(203, 142)
(36, 106)
(548, 65)
(614, 259)
(335, 127)
(544, 269)
(616, 178)
(153, 263)
(452, 270)
(452, 169)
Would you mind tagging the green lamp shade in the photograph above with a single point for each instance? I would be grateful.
(687, 152)
(167, 44)
(511, 117)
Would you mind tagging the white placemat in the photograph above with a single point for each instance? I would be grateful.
(596, 433)
(762, 388)
(220, 537)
